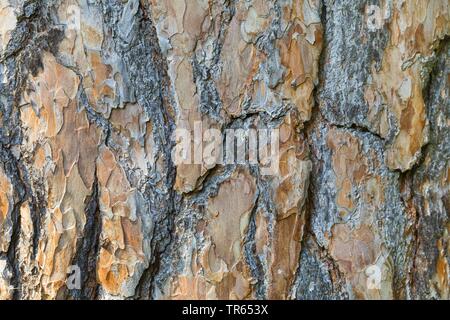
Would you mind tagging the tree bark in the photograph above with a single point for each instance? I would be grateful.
(94, 205)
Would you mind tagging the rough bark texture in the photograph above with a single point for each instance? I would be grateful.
(91, 93)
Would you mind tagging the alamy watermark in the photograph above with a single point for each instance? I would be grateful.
(211, 147)
(73, 281)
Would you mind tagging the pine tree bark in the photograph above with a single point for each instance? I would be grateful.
(92, 94)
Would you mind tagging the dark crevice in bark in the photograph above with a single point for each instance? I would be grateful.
(147, 68)
(433, 153)
(12, 170)
(37, 211)
(406, 193)
(145, 286)
(33, 34)
(440, 50)
(165, 225)
(320, 253)
(349, 62)
(315, 114)
(210, 102)
(88, 248)
(358, 128)
(250, 255)
(310, 126)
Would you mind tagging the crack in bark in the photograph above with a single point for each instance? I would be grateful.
(88, 249)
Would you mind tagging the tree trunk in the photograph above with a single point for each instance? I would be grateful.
(96, 98)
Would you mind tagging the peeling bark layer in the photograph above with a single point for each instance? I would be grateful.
(93, 94)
